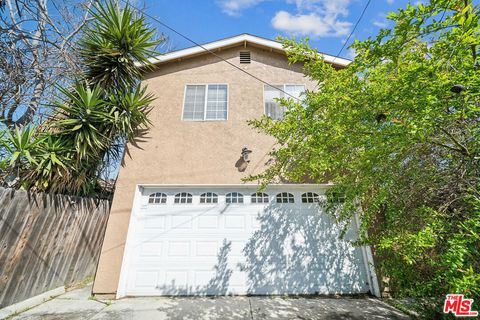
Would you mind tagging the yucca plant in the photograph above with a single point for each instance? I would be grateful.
(113, 43)
(21, 144)
(54, 161)
(19, 152)
(130, 110)
(94, 118)
(84, 117)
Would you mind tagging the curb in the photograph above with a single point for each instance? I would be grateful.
(30, 302)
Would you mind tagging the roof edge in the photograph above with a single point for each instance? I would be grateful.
(183, 53)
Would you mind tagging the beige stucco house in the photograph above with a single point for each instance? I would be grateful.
(182, 221)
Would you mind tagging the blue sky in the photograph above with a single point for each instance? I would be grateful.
(326, 22)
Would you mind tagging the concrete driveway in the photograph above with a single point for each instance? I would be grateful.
(78, 304)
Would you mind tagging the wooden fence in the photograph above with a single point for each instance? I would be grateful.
(47, 241)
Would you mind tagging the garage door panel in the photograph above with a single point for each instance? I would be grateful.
(179, 248)
(153, 222)
(201, 278)
(182, 221)
(209, 222)
(241, 249)
(237, 247)
(235, 221)
(146, 278)
(151, 249)
(206, 248)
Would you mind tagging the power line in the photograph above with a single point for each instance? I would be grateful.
(353, 30)
(445, 10)
(206, 49)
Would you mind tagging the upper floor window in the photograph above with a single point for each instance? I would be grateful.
(259, 197)
(205, 102)
(234, 197)
(285, 197)
(182, 197)
(271, 93)
(157, 198)
(208, 197)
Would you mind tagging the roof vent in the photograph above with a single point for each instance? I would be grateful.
(245, 57)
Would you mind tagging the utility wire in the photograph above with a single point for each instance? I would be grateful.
(353, 30)
(207, 50)
(445, 10)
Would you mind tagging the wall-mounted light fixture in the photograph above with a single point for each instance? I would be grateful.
(245, 154)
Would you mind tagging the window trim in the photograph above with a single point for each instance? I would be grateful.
(240, 195)
(281, 193)
(213, 197)
(153, 196)
(205, 101)
(314, 196)
(263, 195)
(283, 88)
(188, 196)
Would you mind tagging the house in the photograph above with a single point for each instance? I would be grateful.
(182, 220)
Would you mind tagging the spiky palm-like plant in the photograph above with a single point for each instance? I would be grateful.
(94, 118)
(116, 40)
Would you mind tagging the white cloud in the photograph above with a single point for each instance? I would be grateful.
(337, 7)
(235, 7)
(390, 1)
(380, 23)
(310, 25)
(381, 20)
(315, 18)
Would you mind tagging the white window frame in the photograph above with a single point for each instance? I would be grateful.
(239, 195)
(260, 195)
(284, 89)
(285, 195)
(188, 196)
(161, 196)
(205, 102)
(212, 199)
(310, 197)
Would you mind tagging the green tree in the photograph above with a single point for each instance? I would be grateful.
(92, 120)
(397, 131)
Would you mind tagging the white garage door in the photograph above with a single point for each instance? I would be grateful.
(231, 240)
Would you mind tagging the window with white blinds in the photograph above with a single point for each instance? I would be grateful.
(216, 102)
(205, 102)
(295, 90)
(272, 108)
(194, 106)
(271, 93)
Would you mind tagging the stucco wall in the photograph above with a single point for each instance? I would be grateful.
(193, 152)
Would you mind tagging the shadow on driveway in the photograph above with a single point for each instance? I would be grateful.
(77, 304)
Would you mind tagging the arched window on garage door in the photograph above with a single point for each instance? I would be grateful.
(285, 197)
(234, 197)
(259, 197)
(157, 198)
(310, 197)
(183, 197)
(209, 197)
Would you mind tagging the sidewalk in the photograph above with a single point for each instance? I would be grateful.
(78, 304)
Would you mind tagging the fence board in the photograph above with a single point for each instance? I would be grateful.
(47, 241)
